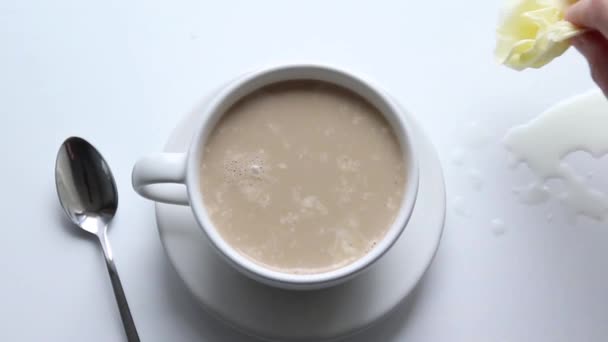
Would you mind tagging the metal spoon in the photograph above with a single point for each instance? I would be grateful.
(88, 195)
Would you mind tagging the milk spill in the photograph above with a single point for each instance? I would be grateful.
(579, 124)
(535, 193)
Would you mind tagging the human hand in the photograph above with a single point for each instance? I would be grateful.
(592, 14)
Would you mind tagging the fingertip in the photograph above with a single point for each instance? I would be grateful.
(582, 43)
(577, 13)
(573, 13)
(592, 42)
(594, 47)
(579, 41)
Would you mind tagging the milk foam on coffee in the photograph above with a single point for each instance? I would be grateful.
(303, 177)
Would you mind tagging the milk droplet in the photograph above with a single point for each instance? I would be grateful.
(458, 156)
(532, 194)
(579, 124)
(459, 206)
(498, 227)
(474, 176)
(549, 217)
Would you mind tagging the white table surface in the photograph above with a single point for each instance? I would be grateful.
(121, 73)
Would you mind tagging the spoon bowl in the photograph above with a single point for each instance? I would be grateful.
(85, 185)
(88, 195)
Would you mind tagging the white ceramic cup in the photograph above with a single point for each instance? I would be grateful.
(152, 173)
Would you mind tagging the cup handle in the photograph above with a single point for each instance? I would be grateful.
(161, 178)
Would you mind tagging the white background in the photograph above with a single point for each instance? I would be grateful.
(121, 74)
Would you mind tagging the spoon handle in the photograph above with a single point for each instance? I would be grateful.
(119, 293)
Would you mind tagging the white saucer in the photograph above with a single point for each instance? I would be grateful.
(282, 315)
